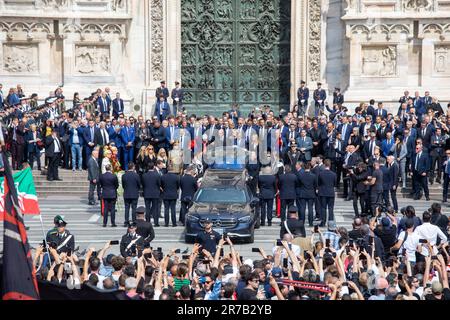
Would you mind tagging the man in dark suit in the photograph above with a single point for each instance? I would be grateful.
(131, 184)
(306, 193)
(394, 170)
(151, 182)
(162, 109)
(177, 97)
(109, 183)
(170, 183)
(380, 112)
(267, 189)
(144, 228)
(89, 137)
(425, 132)
(287, 182)
(53, 150)
(420, 167)
(351, 158)
(162, 90)
(188, 186)
(17, 142)
(338, 98)
(326, 181)
(359, 181)
(437, 154)
(370, 146)
(319, 99)
(93, 176)
(34, 152)
(302, 96)
(118, 106)
(157, 135)
(345, 129)
(103, 105)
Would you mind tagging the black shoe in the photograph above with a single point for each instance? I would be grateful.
(104, 225)
(113, 226)
(269, 223)
(438, 181)
(427, 198)
(91, 203)
(59, 179)
(125, 224)
(27, 228)
(174, 225)
(262, 224)
(156, 225)
(166, 225)
(49, 179)
(444, 201)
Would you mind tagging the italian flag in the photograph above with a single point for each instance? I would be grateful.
(26, 191)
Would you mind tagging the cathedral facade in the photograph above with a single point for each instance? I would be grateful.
(224, 52)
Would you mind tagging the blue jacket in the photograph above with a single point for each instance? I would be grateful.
(32, 146)
(127, 135)
(114, 136)
(87, 135)
(80, 135)
(102, 107)
(386, 147)
(13, 99)
(423, 163)
(164, 107)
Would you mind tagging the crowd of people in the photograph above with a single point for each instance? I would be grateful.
(295, 164)
(381, 258)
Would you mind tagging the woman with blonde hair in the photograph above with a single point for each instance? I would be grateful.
(107, 154)
(162, 155)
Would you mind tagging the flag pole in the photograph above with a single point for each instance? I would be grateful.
(2, 143)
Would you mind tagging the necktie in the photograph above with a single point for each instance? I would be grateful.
(417, 161)
(423, 132)
(57, 142)
(344, 130)
(171, 132)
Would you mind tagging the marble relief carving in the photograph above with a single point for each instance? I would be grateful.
(20, 58)
(379, 61)
(314, 39)
(442, 59)
(417, 4)
(92, 59)
(157, 29)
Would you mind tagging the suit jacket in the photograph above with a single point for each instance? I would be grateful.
(320, 95)
(307, 144)
(164, 91)
(393, 174)
(426, 138)
(87, 134)
(338, 98)
(98, 138)
(358, 182)
(267, 184)
(20, 134)
(93, 169)
(127, 135)
(50, 146)
(109, 183)
(423, 164)
(177, 94)
(131, 184)
(118, 107)
(188, 186)
(307, 185)
(348, 132)
(151, 182)
(303, 94)
(383, 113)
(366, 150)
(387, 146)
(287, 183)
(32, 146)
(170, 183)
(160, 134)
(103, 107)
(162, 109)
(325, 183)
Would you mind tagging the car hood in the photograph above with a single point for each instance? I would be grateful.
(220, 208)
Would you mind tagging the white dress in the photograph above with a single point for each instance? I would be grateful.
(105, 162)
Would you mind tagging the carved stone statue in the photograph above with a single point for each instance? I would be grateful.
(92, 59)
(117, 4)
(418, 4)
(379, 61)
(19, 59)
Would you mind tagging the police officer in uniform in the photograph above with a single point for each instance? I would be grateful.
(54, 231)
(208, 238)
(62, 240)
(144, 228)
(131, 244)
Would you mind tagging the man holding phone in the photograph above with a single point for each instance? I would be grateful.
(208, 238)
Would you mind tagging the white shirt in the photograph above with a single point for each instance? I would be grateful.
(430, 232)
(294, 248)
(57, 145)
(411, 243)
(100, 280)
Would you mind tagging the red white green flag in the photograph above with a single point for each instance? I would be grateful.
(26, 191)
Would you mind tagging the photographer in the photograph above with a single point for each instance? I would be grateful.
(359, 177)
(385, 228)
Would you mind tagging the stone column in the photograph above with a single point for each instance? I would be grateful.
(298, 46)
(173, 42)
